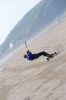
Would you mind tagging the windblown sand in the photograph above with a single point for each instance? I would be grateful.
(40, 79)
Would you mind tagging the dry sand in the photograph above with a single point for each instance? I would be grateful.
(38, 80)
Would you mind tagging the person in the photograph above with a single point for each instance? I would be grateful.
(30, 56)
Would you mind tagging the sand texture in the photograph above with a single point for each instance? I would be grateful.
(40, 79)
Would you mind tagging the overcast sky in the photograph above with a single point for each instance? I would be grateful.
(11, 11)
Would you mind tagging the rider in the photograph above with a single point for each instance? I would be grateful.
(31, 56)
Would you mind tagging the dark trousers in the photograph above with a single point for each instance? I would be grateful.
(35, 56)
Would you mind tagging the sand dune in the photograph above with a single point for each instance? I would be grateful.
(40, 79)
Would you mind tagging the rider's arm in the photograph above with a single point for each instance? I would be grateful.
(29, 52)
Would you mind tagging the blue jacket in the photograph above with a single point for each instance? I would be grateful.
(29, 56)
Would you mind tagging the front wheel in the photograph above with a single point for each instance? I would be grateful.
(47, 59)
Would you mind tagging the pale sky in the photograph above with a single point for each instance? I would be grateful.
(11, 11)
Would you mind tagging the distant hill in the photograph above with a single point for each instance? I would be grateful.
(33, 22)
